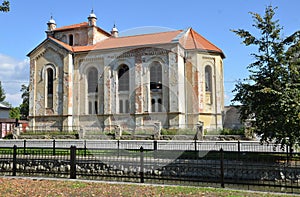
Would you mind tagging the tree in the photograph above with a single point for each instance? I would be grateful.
(270, 96)
(14, 113)
(2, 93)
(4, 7)
(24, 107)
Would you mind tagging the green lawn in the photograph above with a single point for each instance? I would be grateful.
(38, 187)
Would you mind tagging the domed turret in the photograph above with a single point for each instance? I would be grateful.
(114, 32)
(92, 18)
(51, 24)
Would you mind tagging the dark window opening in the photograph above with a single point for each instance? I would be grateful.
(96, 107)
(50, 88)
(127, 106)
(92, 80)
(159, 105)
(123, 76)
(153, 105)
(208, 79)
(155, 77)
(71, 40)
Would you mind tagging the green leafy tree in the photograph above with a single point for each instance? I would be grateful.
(14, 113)
(24, 107)
(4, 7)
(270, 96)
(2, 93)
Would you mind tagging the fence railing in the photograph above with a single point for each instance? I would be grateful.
(249, 170)
(239, 146)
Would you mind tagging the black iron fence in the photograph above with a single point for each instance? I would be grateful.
(268, 171)
(182, 145)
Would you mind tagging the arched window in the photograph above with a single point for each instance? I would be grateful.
(71, 40)
(123, 88)
(92, 80)
(208, 79)
(155, 77)
(49, 78)
(156, 86)
(123, 76)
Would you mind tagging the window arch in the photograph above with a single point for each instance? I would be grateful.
(49, 87)
(155, 76)
(92, 80)
(123, 77)
(208, 79)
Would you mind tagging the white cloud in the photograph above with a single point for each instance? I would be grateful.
(13, 73)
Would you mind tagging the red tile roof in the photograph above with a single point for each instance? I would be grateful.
(196, 41)
(65, 45)
(74, 26)
(189, 39)
(129, 41)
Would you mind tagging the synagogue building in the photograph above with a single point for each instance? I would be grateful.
(82, 76)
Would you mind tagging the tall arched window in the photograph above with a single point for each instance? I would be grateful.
(123, 88)
(123, 76)
(92, 82)
(156, 86)
(155, 76)
(208, 79)
(49, 86)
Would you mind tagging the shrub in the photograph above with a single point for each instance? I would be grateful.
(227, 131)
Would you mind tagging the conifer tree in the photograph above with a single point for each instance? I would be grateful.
(270, 96)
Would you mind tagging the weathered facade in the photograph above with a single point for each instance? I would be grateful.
(84, 77)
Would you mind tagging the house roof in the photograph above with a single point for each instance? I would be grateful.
(188, 39)
(4, 106)
(129, 41)
(79, 25)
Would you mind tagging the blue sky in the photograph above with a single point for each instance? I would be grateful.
(24, 27)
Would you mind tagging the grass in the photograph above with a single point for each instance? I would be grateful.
(38, 187)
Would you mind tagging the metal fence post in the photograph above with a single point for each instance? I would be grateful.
(222, 167)
(155, 145)
(142, 165)
(85, 148)
(53, 147)
(73, 162)
(195, 143)
(14, 169)
(24, 147)
(118, 144)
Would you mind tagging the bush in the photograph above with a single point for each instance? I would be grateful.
(9, 136)
(226, 131)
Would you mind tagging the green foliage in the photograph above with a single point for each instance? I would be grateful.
(2, 93)
(9, 136)
(14, 113)
(24, 107)
(5, 6)
(270, 96)
(226, 131)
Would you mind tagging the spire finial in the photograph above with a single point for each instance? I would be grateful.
(114, 32)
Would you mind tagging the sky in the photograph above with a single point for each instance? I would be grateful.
(23, 28)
